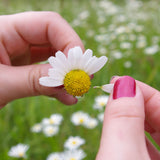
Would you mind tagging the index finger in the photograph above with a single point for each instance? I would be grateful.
(37, 28)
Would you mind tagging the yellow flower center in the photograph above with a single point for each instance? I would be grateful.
(77, 82)
(21, 154)
(74, 142)
(72, 159)
(81, 120)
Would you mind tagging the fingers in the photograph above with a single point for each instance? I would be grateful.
(152, 103)
(18, 82)
(47, 28)
(123, 128)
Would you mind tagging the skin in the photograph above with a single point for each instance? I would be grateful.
(126, 120)
(27, 38)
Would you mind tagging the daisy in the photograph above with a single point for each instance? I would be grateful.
(91, 123)
(73, 155)
(100, 102)
(18, 151)
(73, 143)
(50, 131)
(55, 119)
(73, 71)
(79, 118)
(54, 156)
(101, 117)
(36, 128)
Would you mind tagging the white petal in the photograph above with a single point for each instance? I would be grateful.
(96, 65)
(52, 72)
(50, 82)
(85, 58)
(74, 56)
(51, 61)
(107, 88)
(55, 74)
(61, 61)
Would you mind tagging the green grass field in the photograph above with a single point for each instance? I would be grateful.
(128, 34)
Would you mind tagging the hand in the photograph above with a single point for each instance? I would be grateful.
(27, 38)
(132, 108)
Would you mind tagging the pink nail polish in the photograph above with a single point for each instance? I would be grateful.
(124, 87)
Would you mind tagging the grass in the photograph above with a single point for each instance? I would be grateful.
(19, 116)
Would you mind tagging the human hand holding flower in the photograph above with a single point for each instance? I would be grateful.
(27, 38)
(133, 107)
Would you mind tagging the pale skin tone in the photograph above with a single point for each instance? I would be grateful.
(27, 38)
(31, 37)
(126, 120)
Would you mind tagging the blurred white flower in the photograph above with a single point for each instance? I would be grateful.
(151, 50)
(74, 155)
(125, 45)
(102, 50)
(117, 54)
(127, 64)
(79, 118)
(55, 119)
(50, 131)
(36, 128)
(18, 151)
(73, 71)
(101, 117)
(55, 156)
(73, 143)
(91, 123)
(100, 102)
(84, 15)
(141, 43)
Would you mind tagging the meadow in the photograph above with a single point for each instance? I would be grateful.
(127, 32)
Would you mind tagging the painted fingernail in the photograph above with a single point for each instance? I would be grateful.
(124, 87)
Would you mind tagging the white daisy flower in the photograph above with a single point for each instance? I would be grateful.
(151, 50)
(73, 71)
(100, 102)
(91, 123)
(73, 143)
(101, 117)
(55, 156)
(50, 131)
(36, 128)
(18, 151)
(55, 119)
(74, 155)
(79, 118)
(127, 64)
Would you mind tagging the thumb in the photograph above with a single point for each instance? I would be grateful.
(123, 128)
(18, 82)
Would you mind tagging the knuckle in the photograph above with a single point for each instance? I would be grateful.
(33, 80)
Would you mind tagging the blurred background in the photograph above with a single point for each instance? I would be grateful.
(127, 32)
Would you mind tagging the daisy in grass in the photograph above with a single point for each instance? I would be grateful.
(101, 117)
(18, 151)
(73, 71)
(79, 118)
(73, 143)
(55, 119)
(91, 123)
(50, 131)
(54, 156)
(36, 128)
(73, 155)
(100, 102)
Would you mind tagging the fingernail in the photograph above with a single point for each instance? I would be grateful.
(124, 87)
